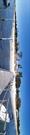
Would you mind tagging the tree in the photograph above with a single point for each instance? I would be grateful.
(20, 73)
(18, 125)
(16, 46)
(18, 102)
(18, 81)
(20, 55)
(19, 66)
(16, 35)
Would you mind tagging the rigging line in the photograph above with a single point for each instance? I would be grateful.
(6, 114)
(9, 84)
(7, 106)
(3, 100)
(6, 19)
(2, 8)
(1, 133)
(6, 38)
(6, 90)
(4, 96)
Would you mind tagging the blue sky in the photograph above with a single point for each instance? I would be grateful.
(23, 24)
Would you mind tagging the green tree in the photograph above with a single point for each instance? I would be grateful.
(18, 102)
(20, 73)
(18, 81)
(20, 54)
(18, 125)
(19, 66)
(18, 76)
(16, 35)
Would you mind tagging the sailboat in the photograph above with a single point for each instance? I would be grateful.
(7, 67)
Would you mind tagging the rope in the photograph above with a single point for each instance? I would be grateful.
(7, 105)
(6, 115)
(6, 19)
(6, 111)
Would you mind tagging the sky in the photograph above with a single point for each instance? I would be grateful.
(23, 25)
